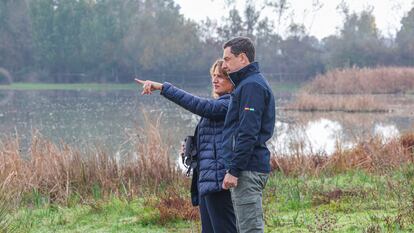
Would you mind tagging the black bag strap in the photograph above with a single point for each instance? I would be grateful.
(193, 153)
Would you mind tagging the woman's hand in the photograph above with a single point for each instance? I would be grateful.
(182, 152)
(182, 148)
(149, 86)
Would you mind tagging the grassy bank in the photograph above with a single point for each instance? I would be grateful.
(354, 201)
(58, 188)
(111, 215)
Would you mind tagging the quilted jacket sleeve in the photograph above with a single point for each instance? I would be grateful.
(215, 109)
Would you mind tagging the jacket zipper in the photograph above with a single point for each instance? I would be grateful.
(233, 142)
(214, 141)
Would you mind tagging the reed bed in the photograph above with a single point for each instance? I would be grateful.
(372, 155)
(60, 172)
(57, 173)
(346, 103)
(354, 90)
(381, 80)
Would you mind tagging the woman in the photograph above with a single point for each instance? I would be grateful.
(216, 208)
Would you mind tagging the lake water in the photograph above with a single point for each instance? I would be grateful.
(106, 118)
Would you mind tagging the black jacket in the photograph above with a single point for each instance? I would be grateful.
(249, 123)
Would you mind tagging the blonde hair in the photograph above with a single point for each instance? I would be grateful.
(217, 65)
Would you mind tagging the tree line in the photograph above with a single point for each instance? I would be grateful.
(113, 41)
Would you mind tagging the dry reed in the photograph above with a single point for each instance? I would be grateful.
(381, 80)
(371, 155)
(58, 172)
(346, 103)
(354, 89)
(173, 206)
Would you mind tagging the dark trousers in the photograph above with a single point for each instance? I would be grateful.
(217, 213)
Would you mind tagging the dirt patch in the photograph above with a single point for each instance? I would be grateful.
(321, 198)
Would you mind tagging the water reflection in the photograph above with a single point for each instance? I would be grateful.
(386, 132)
(320, 136)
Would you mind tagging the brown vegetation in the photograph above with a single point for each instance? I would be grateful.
(354, 90)
(58, 172)
(382, 80)
(346, 103)
(173, 206)
(320, 198)
(371, 156)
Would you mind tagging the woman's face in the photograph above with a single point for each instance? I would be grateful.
(221, 83)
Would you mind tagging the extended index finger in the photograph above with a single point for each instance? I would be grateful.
(139, 81)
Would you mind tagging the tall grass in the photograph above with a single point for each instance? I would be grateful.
(381, 80)
(355, 103)
(354, 89)
(5, 211)
(58, 173)
(371, 155)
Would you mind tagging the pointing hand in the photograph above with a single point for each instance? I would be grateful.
(149, 86)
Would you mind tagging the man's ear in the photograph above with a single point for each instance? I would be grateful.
(245, 59)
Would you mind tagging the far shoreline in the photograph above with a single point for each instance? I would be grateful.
(69, 86)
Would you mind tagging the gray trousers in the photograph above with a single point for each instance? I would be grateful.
(247, 201)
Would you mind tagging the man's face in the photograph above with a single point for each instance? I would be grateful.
(231, 62)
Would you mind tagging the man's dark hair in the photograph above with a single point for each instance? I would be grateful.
(240, 45)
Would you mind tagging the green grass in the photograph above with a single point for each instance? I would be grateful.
(114, 215)
(72, 86)
(368, 203)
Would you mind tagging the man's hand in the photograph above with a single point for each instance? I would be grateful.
(149, 86)
(229, 181)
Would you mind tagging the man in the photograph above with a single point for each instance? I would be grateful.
(249, 123)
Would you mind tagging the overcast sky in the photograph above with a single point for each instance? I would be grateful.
(321, 23)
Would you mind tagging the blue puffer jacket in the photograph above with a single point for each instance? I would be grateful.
(211, 164)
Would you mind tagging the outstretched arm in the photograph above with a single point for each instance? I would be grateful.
(215, 109)
(209, 108)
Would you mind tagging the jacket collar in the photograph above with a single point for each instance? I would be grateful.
(238, 76)
(225, 96)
